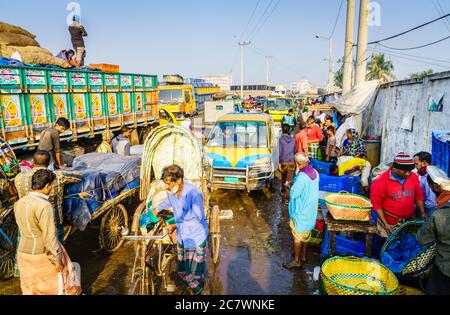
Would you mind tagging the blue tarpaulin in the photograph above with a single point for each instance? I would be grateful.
(401, 251)
(105, 176)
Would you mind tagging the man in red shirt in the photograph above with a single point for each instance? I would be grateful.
(395, 195)
(315, 136)
(301, 139)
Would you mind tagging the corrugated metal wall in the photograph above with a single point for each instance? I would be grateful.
(403, 101)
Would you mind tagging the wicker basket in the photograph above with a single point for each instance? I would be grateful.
(402, 290)
(420, 264)
(355, 276)
(349, 207)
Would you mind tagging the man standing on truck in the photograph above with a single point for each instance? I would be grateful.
(50, 142)
(77, 32)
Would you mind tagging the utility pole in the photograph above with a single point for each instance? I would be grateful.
(268, 69)
(330, 59)
(363, 39)
(361, 55)
(348, 53)
(243, 44)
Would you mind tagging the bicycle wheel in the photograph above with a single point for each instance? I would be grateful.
(110, 237)
(214, 232)
(8, 250)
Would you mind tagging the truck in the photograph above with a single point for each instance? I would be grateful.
(187, 98)
(33, 98)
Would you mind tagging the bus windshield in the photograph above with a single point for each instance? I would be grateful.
(171, 96)
(242, 134)
(279, 104)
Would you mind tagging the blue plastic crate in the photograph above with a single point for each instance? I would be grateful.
(441, 152)
(335, 184)
(344, 247)
(321, 167)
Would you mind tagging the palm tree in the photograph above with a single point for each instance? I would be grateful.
(380, 69)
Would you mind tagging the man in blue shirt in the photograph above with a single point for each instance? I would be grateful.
(422, 160)
(186, 202)
(303, 208)
(289, 119)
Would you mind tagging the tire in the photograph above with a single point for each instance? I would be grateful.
(110, 237)
(8, 251)
(214, 238)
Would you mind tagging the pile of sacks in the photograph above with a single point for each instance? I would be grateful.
(14, 39)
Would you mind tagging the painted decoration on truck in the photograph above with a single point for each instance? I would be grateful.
(112, 103)
(80, 106)
(95, 79)
(138, 82)
(111, 80)
(58, 78)
(38, 110)
(60, 101)
(126, 103)
(78, 79)
(35, 77)
(96, 101)
(138, 101)
(9, 77)
(11, 110)
(125, 81)
(148, 82)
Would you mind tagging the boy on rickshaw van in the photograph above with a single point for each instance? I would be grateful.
(186, 202)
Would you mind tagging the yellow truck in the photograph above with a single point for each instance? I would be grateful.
(186, 98)
(278, 107)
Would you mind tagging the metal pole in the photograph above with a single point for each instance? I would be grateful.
(363, 39)
(268, 70)
(330, 77)
(348, 53)
(242, 44)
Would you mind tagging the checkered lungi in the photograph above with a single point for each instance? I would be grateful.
(192, 266)
(38, 276)
(314, 151)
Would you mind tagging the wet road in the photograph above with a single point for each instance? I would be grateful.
(254, 244)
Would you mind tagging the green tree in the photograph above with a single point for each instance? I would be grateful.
(421, 75)
(380, 69)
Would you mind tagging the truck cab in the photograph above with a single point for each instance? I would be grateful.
(242, 152)
(177, 99)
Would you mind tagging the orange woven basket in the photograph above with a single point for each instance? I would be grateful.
(349, 207)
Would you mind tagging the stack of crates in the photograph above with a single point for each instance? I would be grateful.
(441, 150)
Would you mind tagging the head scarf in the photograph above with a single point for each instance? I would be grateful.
(357, 146)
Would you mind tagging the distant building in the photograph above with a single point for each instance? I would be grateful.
(302, 87)
(223, 81)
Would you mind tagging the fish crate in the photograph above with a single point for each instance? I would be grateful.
(344, 247)
(441, 151)
(335, 184)
(321, 167)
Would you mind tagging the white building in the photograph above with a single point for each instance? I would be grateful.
(224, 81)
(302, 87)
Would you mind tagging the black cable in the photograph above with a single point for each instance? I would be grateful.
(261, 18)
(337, 19)
(251, 17)
(417, 47)
(267, 18)
(408, 31)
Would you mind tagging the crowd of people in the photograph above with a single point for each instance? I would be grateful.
(403, 192)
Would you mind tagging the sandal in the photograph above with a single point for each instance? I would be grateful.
(292, 265)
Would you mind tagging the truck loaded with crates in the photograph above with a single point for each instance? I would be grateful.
(185, 96)
(33, 98)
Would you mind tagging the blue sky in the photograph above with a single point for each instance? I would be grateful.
(200, 37)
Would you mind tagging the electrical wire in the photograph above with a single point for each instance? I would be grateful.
(417, 47)
(251, 18)
(410, 30)
(414, 59)
(440, 11)
(337, 19)
(267, 18)
(261, 18)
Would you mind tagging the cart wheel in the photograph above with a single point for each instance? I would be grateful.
(110, 230)
(8, 250)
(214, 230)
